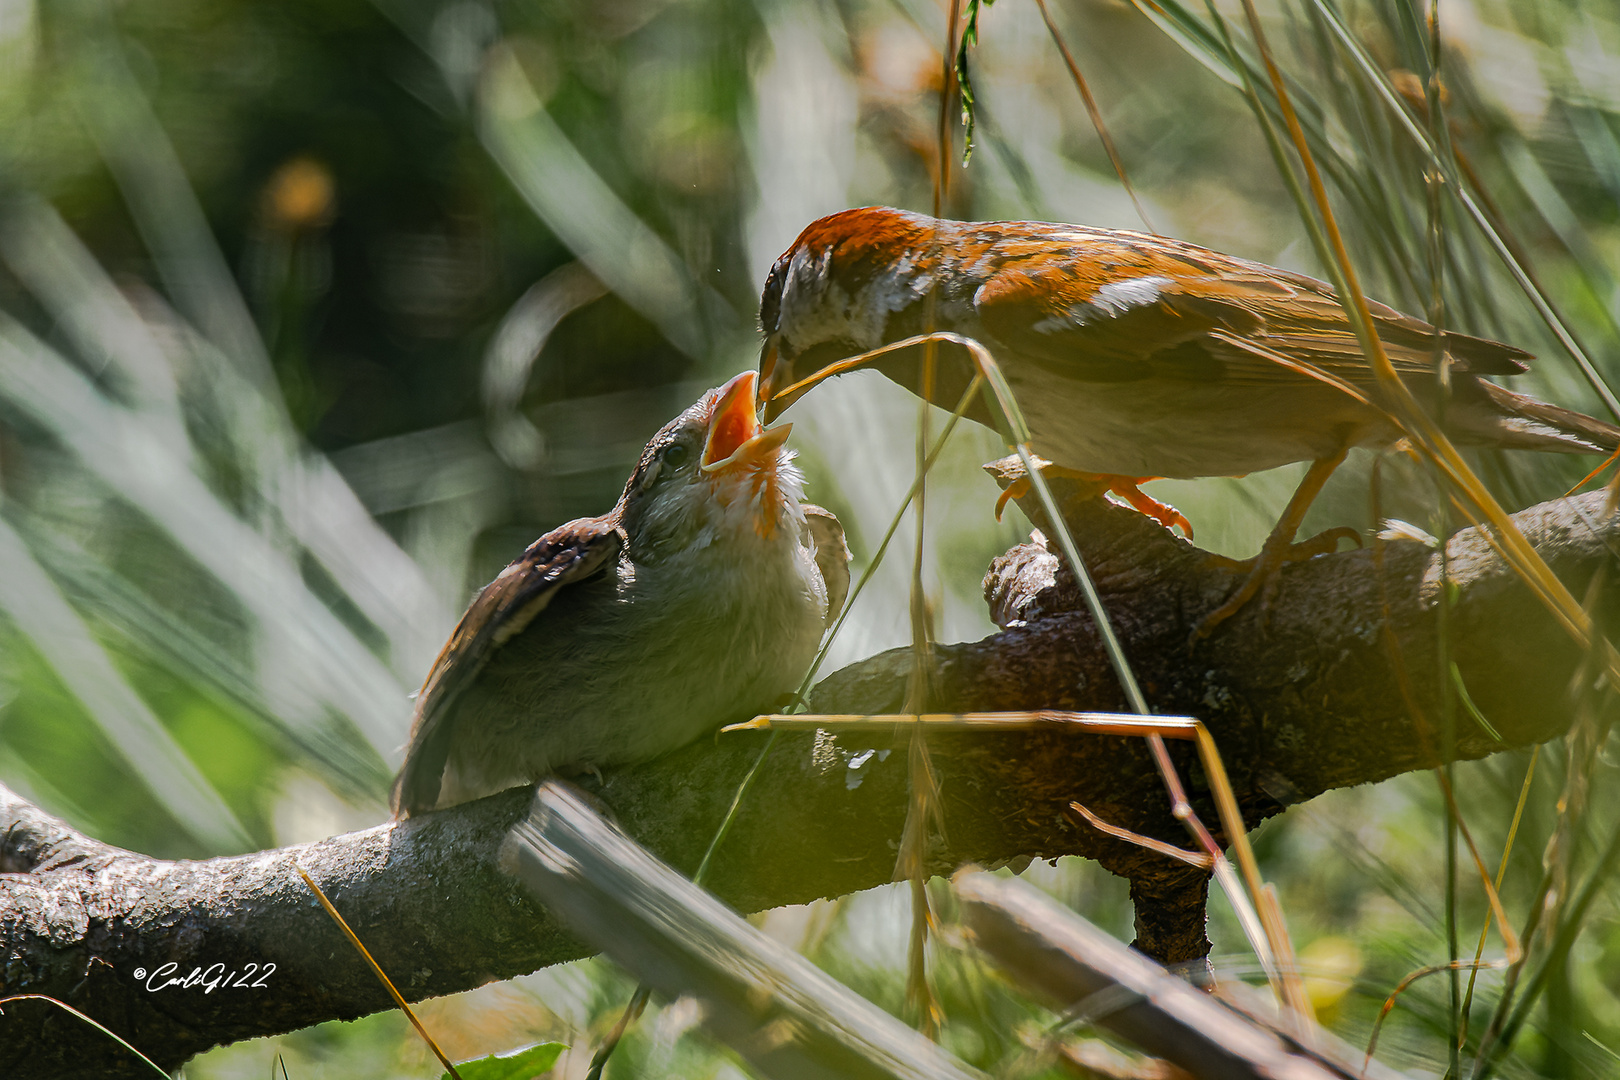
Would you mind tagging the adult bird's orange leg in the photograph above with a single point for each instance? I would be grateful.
(1280, 548)
(1165, 514)
(1094, 484)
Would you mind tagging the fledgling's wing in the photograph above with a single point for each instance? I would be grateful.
(832, 557)
(568, 554)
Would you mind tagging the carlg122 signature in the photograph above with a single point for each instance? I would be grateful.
(213, 977)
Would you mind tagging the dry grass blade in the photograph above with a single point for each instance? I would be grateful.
(1501, 872)
(376, 968)
(1501, 1037)
(832, 634)
(1191, 858)
(1265, 929)
(1428, 438)
(1401, 987)
(113, 1035)
(1267, 934)
(1510, 940)
(1555, 906)
(925, 808)
(1095, 723)
(1095, 114)
(1416, 423)
(888, 535)
(1587, 479)
(1504, 251)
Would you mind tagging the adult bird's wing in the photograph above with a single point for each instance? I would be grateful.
(1114, 307)
(832, 557)
(502, 609)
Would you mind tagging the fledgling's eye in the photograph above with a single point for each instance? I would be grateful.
(675, 454)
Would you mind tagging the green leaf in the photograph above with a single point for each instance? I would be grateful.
(515, 1065)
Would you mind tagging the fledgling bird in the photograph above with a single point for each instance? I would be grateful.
(1132, 356)
(698, 600)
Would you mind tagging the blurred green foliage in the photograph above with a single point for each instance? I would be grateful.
(312, 314)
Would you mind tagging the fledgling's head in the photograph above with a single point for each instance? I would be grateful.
(834, 292)
(712, 473)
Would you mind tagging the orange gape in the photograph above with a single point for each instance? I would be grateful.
(1136, 356)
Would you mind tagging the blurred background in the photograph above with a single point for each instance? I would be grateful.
(313, 314)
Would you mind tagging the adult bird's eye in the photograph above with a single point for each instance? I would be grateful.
(675, 455)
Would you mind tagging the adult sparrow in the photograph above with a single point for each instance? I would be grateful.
(1135, 356)
(699, 599)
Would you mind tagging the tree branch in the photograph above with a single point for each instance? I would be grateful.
(1314, 701)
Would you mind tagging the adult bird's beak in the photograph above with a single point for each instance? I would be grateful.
(779, 390)
(775, 374)
(735, 436)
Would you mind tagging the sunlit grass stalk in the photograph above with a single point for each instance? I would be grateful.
(832, 634)
(376, 969)
(1426, 434)
(894, 526)
(1551, 905)
(1261, 927)
(1539, 300)
(1501, 872)
(113, 1035)
(923, 809)
(1513, 950)
(1417, 424)
(1095, 114)
(1445, 687)
(1510, 941)
(1269, 935)
(1492, 1049)
(1279, 154)
(638, 1001)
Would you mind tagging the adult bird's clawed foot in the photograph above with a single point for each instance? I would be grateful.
(1091, 486)
(1264, 571)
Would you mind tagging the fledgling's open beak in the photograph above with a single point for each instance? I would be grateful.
(735, 436)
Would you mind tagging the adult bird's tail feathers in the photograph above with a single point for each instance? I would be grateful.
(1524, 423)
(1482, 356)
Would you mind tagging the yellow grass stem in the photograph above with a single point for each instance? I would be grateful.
(1096, 117)
(1401, 987)
(1267, 933)
(1169, 851)
(1379, 81)
(1263, 923)
(376, 969)
(1418, 425)
(1510, 940)
(113, 1035)
(1501, 872)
